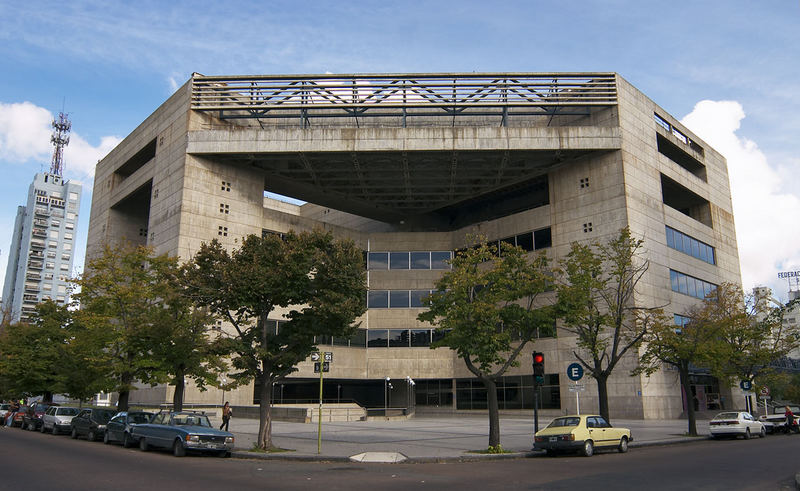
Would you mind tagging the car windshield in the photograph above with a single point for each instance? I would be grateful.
(139, 418)
(103, 416)
(191, 420)
(67, 411)
(727, 416)
(559, 422)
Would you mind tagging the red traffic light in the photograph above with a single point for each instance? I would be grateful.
(538, 358)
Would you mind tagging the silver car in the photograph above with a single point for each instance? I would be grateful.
(736, 423)
(58, 418)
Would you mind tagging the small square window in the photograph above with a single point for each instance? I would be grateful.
(223, 231)
(226, 186)
(155, 193)
(223, 208)
(587, 227)
(142, 232)
(584, 182)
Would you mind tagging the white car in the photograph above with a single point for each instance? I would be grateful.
(4, 408)
(735, 424)
(57, 419)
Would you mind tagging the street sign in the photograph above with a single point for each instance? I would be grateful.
(746, 385)
(575, 372)
(315, 356)
(328, 356)
(576, 388)
(764, 391)
(326, 367)
(765, 398)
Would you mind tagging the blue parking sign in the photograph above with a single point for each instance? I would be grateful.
(575, 372)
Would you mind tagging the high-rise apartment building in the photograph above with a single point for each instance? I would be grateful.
(407, 165)
(42, 248)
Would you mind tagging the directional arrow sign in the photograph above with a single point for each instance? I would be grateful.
(314, 356)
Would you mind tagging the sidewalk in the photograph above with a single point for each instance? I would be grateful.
(427, 438)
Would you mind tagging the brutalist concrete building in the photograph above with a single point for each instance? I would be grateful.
(407, 165)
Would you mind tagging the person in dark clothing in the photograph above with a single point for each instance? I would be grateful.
(227, 412)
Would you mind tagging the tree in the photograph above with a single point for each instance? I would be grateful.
(597, 302)
(121, 297)
(693, 343)
(317, 282)
(31, 353)
(489, 307)
(181, 345)
(751, 329)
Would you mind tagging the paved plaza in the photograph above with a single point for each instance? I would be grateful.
(425, 438)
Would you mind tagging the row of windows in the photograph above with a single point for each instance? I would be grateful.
(528, 241)
(691, 246)
(396, 299)
(689, 285)
(374, 338)
(409, 260)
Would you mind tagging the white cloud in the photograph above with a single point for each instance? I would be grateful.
(765, 214)
(25, 130)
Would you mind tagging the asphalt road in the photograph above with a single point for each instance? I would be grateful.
(41, 461)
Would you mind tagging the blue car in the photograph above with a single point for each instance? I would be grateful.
(182, 431)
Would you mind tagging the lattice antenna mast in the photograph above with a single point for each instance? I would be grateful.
(60, 139)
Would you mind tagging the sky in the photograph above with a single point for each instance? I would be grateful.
(728, 69)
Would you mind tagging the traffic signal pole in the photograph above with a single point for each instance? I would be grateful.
(538, 380)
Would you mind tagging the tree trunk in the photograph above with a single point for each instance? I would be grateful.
(683, 372)
(265, 413)
(602, 395)
(494, 411)
(47, 397)
(122, 403)
(180, 388)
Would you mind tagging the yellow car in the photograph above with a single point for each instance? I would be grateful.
(582, 434)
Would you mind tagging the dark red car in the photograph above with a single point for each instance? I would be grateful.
(19, 417)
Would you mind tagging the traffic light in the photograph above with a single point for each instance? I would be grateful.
(538, 367)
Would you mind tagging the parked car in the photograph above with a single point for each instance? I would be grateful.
(90, 422)
(736, 423)
(120, 426)
(19, 417)
(57, 419)
(581, 434)
(33, 416)
(4, 408)
(182, 431)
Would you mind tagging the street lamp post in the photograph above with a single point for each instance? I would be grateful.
(386, 397)
(224, 381)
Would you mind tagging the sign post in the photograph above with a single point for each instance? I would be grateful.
(321, 367)
(575, 373)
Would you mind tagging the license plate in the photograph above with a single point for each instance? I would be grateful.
(211, 446)
(553, 438)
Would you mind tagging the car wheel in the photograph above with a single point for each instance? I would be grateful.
(223, 454)
(31, 427)
(74, 433)
(747, 433)
(42, 429)
(54, 430)
(763, 432)
(588, 448)
(143, 446)
(178, 450)
(127, 442)
(106, 439)
(623, 444)
(91, 436)
(550, 452)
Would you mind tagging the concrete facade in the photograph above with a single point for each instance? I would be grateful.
(42, 250)
(186, 176)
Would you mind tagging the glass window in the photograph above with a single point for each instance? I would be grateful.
(417, 298)
(542, 238)
(378, 299)
(359, 338)
(377, 338)
(525, 241)
(439, 259)
(670, 239)
(420, 260)
(691, 284)
(437, 335)
(398, 299)
(398, 260)
(378, 260)
(398, 338)
(420, 337)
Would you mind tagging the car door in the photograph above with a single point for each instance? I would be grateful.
(81, 422)
(596, 431)
(115, 427)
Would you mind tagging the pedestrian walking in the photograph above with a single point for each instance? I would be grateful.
(227, 412)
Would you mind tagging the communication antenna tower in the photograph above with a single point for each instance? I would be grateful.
(60, 139)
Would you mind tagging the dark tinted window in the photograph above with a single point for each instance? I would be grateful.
(67, 411)
(398, 299)
(139, 418)
(418, 296)
(378, 299)
(377, 338)
(398, 338)
(439, 258)
(420, 337)
(378, 260)
(398, 260)
(525, 241)
(542, 238)
(420, 260)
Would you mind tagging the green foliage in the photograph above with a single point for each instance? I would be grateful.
(597, 302)
(316, 281)
(489, 307)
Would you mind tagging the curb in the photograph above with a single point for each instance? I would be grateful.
(288, 456)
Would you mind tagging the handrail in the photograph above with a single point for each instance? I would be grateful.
(406, 95)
